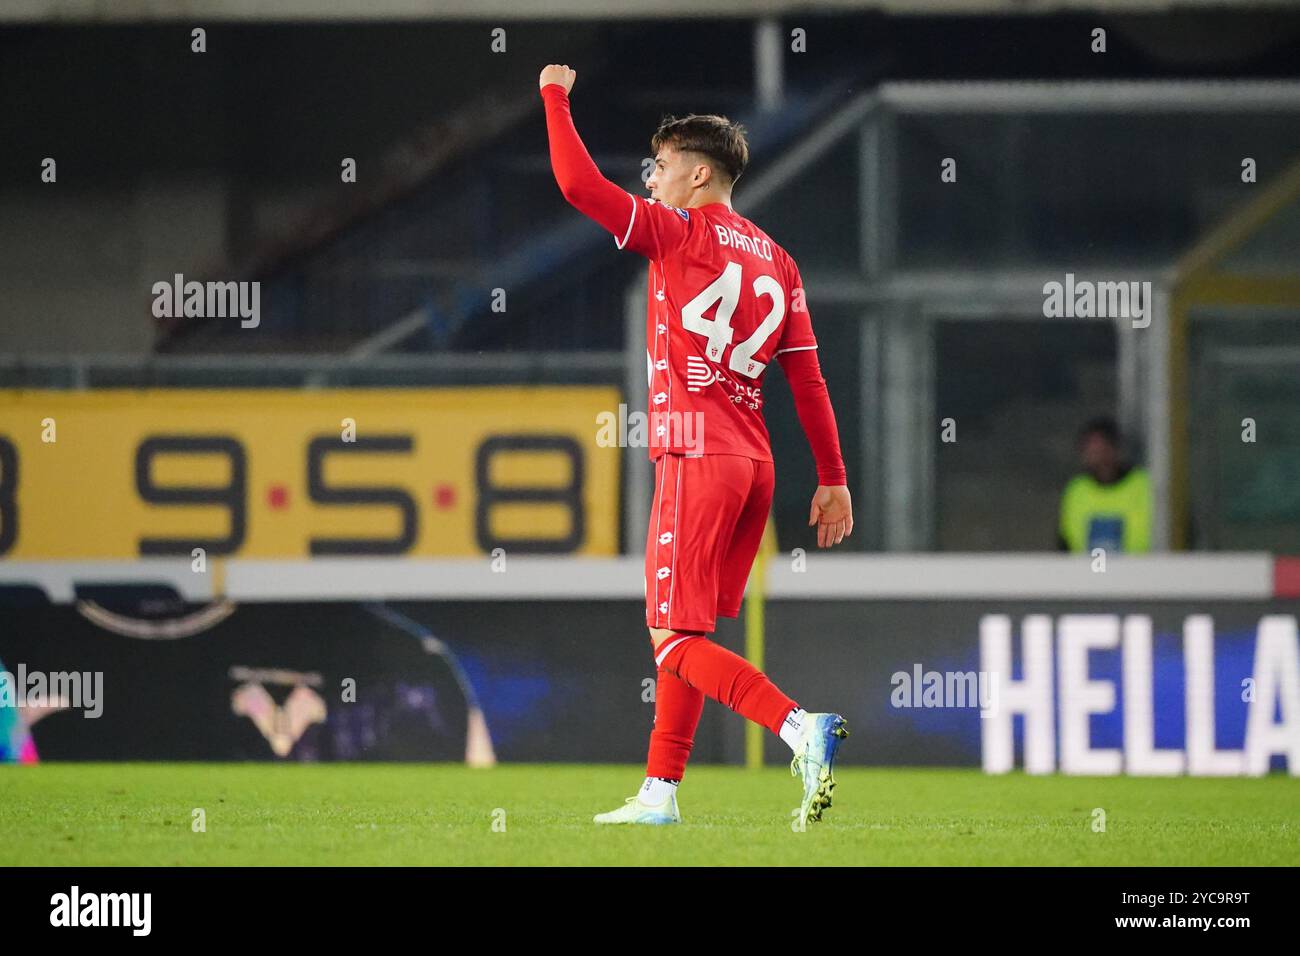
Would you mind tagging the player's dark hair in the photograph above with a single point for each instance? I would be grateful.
(1102, 425)
(714, 137)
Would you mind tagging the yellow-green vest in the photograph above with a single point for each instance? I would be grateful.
(1094, 515)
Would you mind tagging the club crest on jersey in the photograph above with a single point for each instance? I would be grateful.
(681, 212)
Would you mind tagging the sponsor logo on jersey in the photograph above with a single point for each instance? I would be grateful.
(699, 373)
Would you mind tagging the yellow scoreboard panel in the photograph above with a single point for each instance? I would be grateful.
(126, 473)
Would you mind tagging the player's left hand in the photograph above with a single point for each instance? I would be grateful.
(557, 73)
(832, 513)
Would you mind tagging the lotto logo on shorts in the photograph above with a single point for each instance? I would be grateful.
(663, 607)
(663, 573)
(661, 397)
(665, 537)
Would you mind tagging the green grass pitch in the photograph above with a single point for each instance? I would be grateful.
(443, 814)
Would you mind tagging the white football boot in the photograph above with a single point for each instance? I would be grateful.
(634, 811)
(814, 761)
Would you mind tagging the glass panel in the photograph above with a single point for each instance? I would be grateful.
(1245, 487)
(1017, 389)
(1077, 188)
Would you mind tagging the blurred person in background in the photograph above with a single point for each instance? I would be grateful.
(1109, 506)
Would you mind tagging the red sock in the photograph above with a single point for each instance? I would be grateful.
(678, 706)
(728, 678)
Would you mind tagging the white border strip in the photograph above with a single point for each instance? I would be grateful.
(368, 579)
(932, 577)
(1032, 576)
(59, 578)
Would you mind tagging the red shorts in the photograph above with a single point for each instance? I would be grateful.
(706, 524)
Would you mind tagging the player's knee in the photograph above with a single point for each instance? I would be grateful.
(660, 634)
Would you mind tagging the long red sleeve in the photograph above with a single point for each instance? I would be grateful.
(579, 179)
(812, 403)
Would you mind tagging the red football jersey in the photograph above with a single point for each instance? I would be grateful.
(723, 301)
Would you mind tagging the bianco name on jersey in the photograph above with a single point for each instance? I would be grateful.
(738, 240)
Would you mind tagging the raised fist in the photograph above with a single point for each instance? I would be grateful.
(557, 73)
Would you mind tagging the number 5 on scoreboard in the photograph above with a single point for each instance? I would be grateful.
(725, 291)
